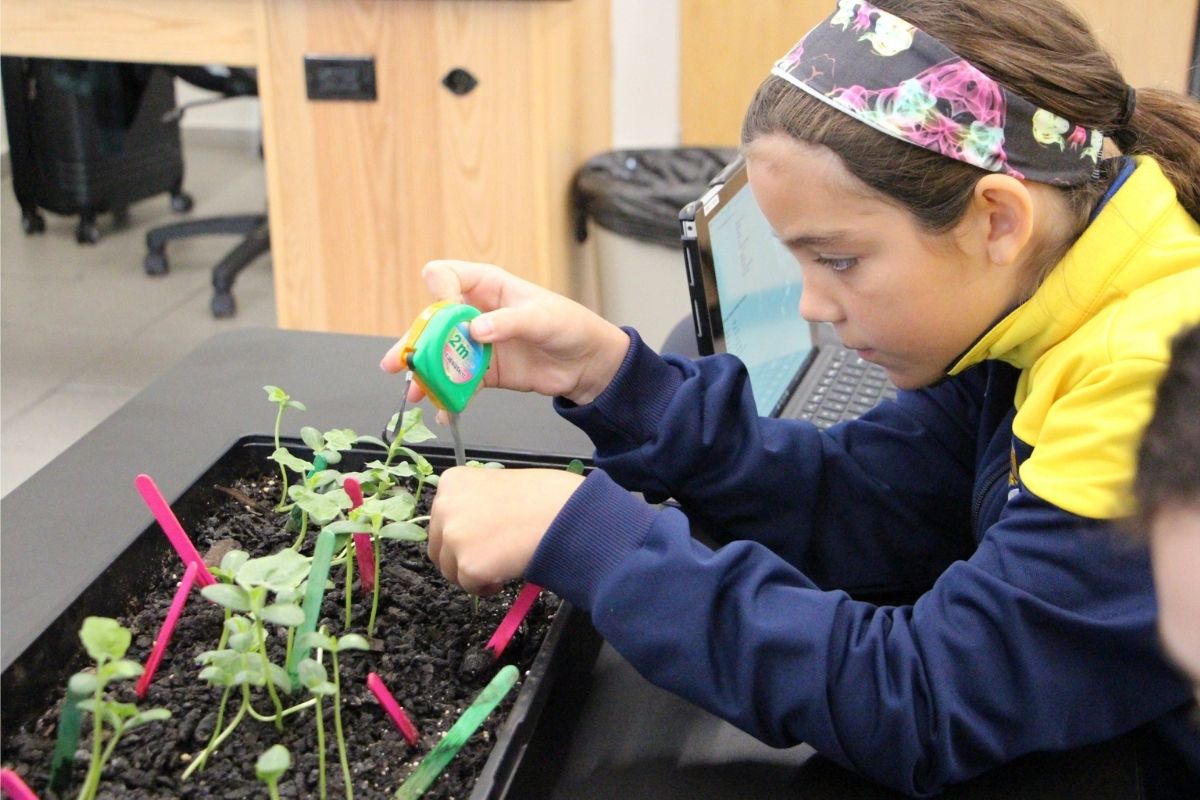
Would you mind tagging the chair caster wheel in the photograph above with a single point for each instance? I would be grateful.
(87, 233)
(222, 305)
(32, 222)
(181, 202)
(155, 263)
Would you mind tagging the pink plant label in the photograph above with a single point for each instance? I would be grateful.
(171, 527)
(513, 619)
(403, 723)
(168, 627)
(363, 553)
(14, 787)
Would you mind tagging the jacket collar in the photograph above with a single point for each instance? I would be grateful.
(1089, 276)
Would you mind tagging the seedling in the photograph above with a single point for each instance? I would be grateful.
(270, 767)
(106, 642)
(284, 401)
(312, 675)
(280, 574)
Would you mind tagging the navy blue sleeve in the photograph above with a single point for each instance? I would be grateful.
(1043, 640)
(879, 503)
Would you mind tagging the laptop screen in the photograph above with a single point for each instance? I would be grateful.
(758, 292)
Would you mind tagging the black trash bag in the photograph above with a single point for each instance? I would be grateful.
(639, 193)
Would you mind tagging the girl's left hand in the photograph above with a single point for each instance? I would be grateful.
(485, 524)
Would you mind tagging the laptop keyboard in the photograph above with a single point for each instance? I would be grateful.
(849, 388)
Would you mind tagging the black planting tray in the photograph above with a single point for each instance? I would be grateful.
(524, 760)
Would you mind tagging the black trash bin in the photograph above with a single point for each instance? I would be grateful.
(631, 268)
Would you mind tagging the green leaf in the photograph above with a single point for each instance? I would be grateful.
(243, 642)
(284, 457)
(314, 678)
(396, 507)
(404, 532)
(375, 440)
(227, 595)
(276, 395)
(287, 614)
(149, 715)
(276, 572)
(232, 561)
(331, 456)
(414, 428)
(104, 638)
(340, 438)
(321, 507)
(317, 639)
(296, 404)
(312, 437)
(238, 625)
(82, 683)
(274, 761)
(280, 677)
(348, 526)
(352, 641)
(121, 711)
(323, 478)
(311, 672)
(120, 670)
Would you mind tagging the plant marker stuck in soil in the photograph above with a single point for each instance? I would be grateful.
(403, 723)
(363, 551)
(168, 627)
(313, 594)
(171, 527)
(14, 787)
(513, 619)
(445, 750)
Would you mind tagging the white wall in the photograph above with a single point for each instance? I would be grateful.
(645, 73)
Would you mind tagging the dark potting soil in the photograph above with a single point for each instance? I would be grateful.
(427, 648)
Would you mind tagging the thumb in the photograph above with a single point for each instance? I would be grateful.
(504, 324)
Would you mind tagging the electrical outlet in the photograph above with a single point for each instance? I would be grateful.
(340, 77)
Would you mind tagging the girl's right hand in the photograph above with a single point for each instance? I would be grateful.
(542, 341)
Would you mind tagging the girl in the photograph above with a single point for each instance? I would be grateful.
(978, 203)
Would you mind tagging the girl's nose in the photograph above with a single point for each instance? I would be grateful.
(817, 304)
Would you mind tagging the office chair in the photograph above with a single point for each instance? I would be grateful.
(253, 228)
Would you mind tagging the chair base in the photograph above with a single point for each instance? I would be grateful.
(256, 240)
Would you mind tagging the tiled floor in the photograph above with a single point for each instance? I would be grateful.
(83, 329)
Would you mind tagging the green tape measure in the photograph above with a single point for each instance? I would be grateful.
(445, 361)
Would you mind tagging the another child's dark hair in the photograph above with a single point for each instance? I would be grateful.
(1169, 457)
(1039, 49)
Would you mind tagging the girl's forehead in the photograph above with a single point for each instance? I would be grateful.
(812, 165)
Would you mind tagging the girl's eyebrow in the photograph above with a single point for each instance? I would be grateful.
(815, 239)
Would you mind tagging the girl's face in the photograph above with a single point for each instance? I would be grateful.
(905, 300)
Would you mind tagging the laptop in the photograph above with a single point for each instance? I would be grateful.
(745, 289)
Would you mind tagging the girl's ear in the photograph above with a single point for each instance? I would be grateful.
(1003, 209)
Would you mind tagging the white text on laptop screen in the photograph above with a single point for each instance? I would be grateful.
(758, 286)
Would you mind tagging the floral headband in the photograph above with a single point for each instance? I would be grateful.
(898, 79)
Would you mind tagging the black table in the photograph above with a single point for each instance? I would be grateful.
(624, 739)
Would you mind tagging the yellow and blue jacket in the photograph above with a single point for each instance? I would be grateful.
(991, 495)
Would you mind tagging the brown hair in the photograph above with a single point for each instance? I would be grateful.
(1169, 456)
(1039, 49)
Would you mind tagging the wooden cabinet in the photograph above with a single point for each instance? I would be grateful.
(422, 172)
(362, 193)
(728, 46)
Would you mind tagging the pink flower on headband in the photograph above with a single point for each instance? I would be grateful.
(1078, 137)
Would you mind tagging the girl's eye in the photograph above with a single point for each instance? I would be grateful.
(837, 264)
